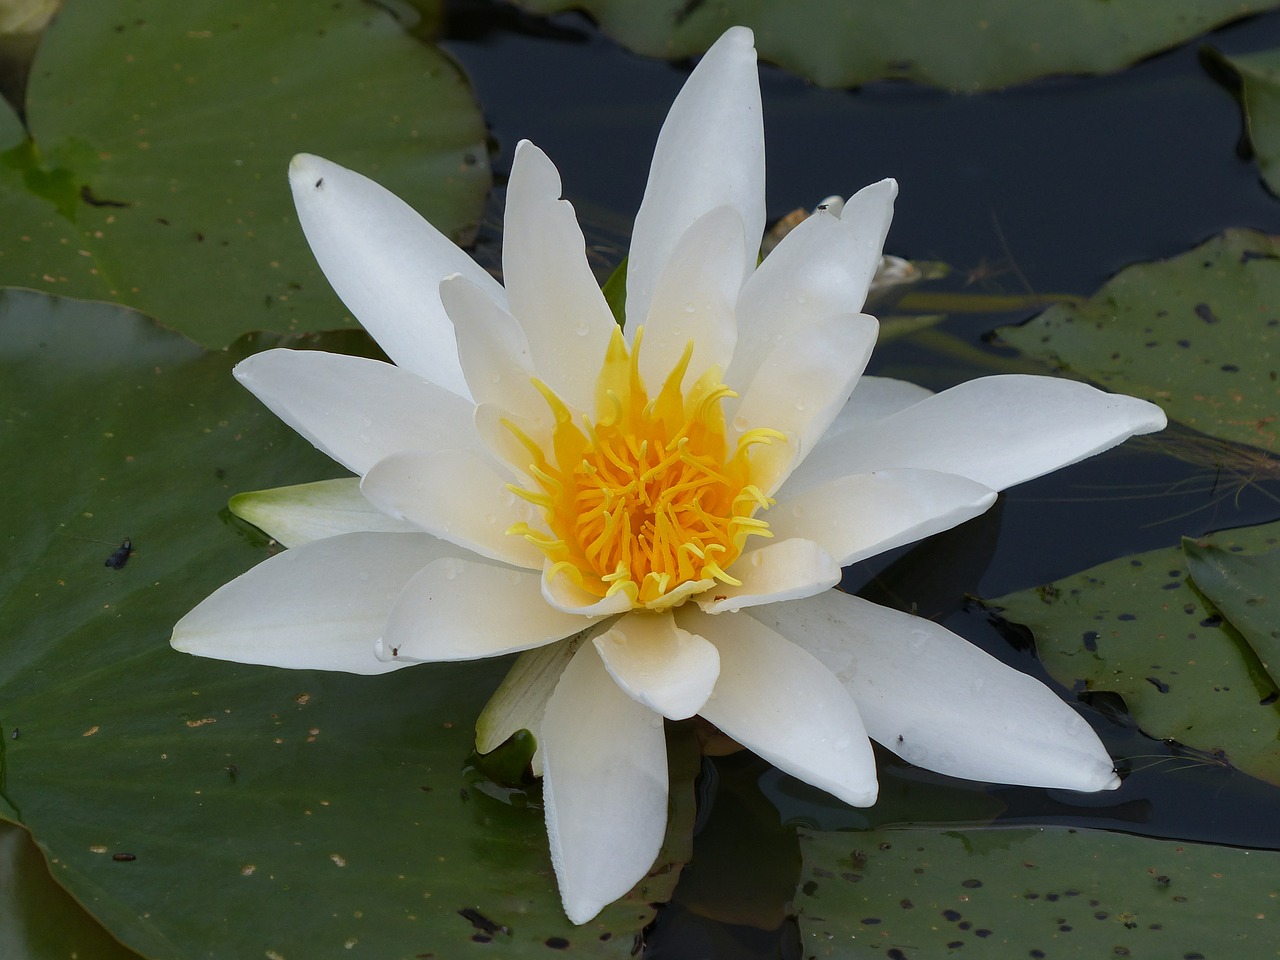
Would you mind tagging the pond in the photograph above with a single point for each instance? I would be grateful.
(217, 776)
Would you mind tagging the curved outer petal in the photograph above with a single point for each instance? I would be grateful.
(779, 570)
(669, 670)
(710, 153)
(866, 514)
(492, 348)
(457, 496)
(320, 606)
(780, 702)
(694, 300)
(998, 431)
(354, 409)
(873, 399)
(604, 786)
(822, 268)
(553, 293)
(800, 388)
(385, 262)
(521, 698)
(457, 609)
(312, 511)
(940, 702)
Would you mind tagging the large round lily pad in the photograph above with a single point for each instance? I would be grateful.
(1198, 334)
(963, 45)
(161, 136)
(202, 808)
(1047, 892)
(1138, 627)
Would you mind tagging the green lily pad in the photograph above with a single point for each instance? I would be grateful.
(202, 808)
(1242, 587)
(1198, 334)
(1256, 77)
(1046, 892)
(38, 919)
(1138, 628)
(965, 45)
(175, 183)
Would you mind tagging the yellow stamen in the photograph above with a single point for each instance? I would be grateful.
(647, 499)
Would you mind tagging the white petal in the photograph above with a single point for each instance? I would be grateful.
(521, 698)
(781, 703)
(354, 409)
(458, 497)
(320, 606)
(940, 702)
(694, 300)
(563, 594)
(998, 431)
(873, 399)
(669, 670)
(779, 570)
(710, 153)
(462, 610)
(604, 787)
(552, 291)
(822, 268)
(491, 346)
(385, 262)
(866, 514)
(799, 389)
(312, 511)
(493, 426)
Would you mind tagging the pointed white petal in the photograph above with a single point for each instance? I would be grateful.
(873, 399)
(669, 670)
(694, 300)
(320, 606)
(553, 293)
(821, 269)
(940, 702)
(493, 426)
(385, 262)
(866, 514)
(604, 786)
(457, 609)
(492, 347)
(312, 511)
(354, 409)
(710, 152)
(457, 496)
(785, 569)
(521, 698)
(799, 389)
(563, 594)
(781, 703)
(998, 431)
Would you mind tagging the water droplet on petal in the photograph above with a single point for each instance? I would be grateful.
(800, 405)
(450, 569)
(756, 559)
(918, 639)
(1076, 725)
(740, 424)
(490, 519)
(977, 685)
(495, 378)
(690, 308)
(582, 329)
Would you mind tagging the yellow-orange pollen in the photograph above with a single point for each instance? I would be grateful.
(646, 500)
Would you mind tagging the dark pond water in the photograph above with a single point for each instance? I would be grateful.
(1047, 188)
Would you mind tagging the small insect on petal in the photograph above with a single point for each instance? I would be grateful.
(118, 559)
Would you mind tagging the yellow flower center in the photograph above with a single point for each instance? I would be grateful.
(647, 499)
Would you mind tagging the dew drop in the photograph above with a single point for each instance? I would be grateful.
(364, 576)
(450, 569)
(490, 519)
(977, 685)
(690, 308)
(495, 377)
(756, 559)
(918, 640)
(841, 744)
(1076, 725)
(656, 722)
(582, 329)
(800, 405)
(797, 512)
(740, 424)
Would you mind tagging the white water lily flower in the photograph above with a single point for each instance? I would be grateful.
(688, 490)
